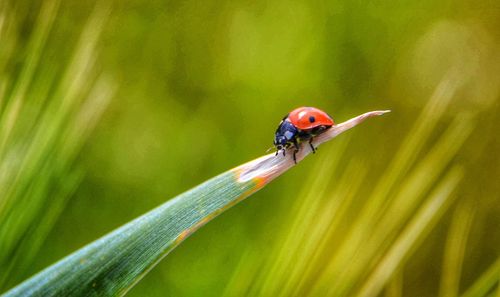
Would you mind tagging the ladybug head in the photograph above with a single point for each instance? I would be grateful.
(285, 135)
(280, 142)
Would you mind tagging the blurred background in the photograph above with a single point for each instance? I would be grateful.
(110, 108)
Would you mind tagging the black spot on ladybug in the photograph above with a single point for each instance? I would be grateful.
(312, 119)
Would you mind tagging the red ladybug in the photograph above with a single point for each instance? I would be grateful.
(301, 124)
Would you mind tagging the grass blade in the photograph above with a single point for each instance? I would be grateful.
(47, 112)
(113, 264)
(416, 230)
(486, 282)
(454, 252)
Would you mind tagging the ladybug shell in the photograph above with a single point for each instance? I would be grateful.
(305, 118)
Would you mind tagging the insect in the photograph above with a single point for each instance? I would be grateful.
(301, 124)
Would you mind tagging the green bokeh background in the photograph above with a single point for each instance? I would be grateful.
(202, 85)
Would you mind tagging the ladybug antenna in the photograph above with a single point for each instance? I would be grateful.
(269, 149)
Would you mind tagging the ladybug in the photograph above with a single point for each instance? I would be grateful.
(301, 124)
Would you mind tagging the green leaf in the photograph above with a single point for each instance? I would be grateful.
(113, 264)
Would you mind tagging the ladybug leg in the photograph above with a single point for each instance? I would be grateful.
(296, 145)
(312, 146)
